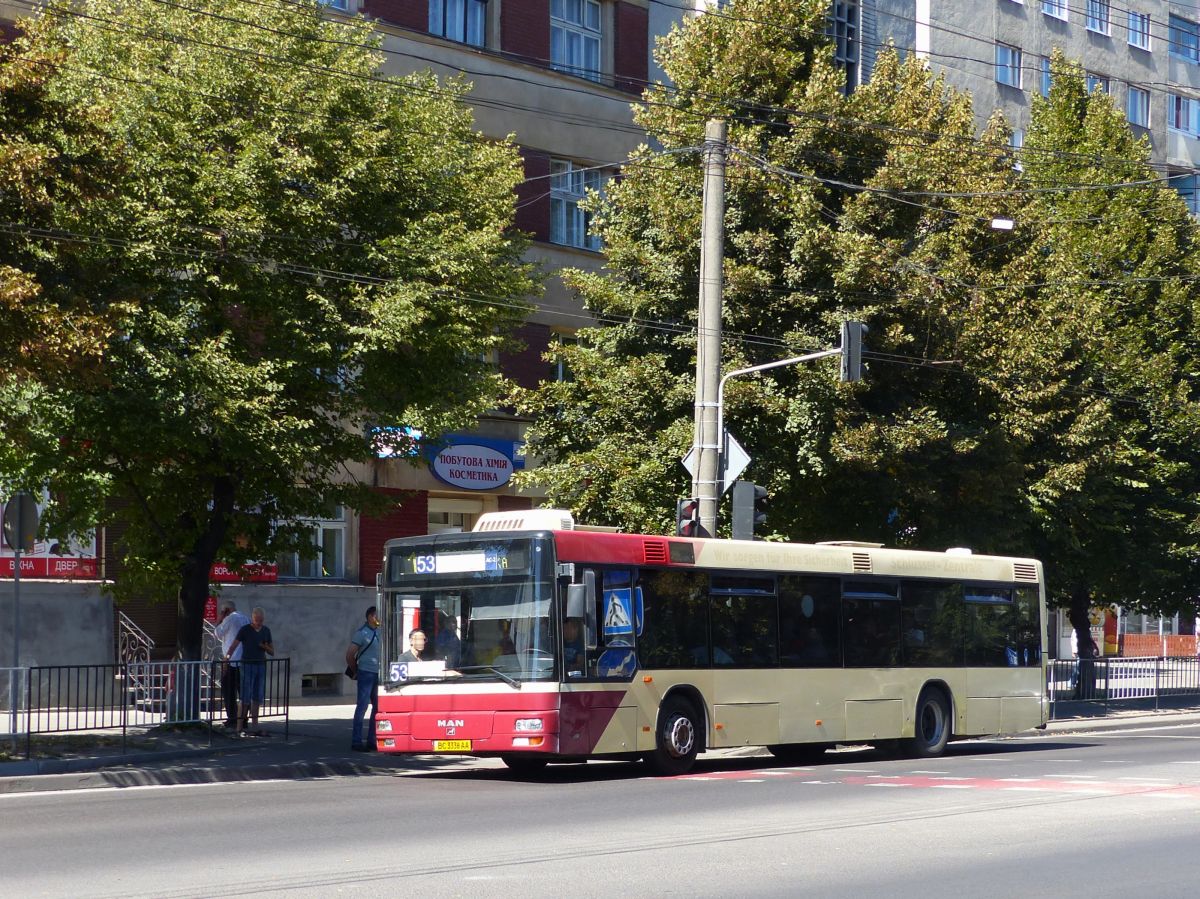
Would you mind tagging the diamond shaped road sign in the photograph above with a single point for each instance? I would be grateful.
(733, 461)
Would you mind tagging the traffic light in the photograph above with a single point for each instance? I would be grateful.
(687, 517)
(749, 509)
(852, 341)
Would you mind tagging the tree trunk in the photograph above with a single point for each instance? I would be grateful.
(194, 583)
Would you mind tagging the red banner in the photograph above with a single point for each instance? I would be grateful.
(49, 567)
(250, 573)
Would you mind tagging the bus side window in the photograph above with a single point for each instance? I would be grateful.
(809, 612)
(932, 613)
(871, 623)
(675, 634)
(744, 631)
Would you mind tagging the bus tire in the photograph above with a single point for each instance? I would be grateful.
(931, 726)
(676, 739)
(525, 764)
(799, 753)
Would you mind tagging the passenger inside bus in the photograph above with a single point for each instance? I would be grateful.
(573, 647)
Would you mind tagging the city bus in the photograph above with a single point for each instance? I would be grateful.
(547, 642)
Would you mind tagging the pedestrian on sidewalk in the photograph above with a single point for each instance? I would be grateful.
(255, 642)
(362, 659)
(231, 622)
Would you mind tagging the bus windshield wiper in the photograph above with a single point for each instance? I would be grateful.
(508, 679)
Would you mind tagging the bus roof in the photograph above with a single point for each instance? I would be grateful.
(639, 549)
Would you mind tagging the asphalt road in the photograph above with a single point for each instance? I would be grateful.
(1096, 814)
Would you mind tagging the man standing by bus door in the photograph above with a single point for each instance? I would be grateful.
(232, 621)
(362, 656)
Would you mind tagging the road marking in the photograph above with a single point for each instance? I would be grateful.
(952, 787)
(119, 788)
(928, 772)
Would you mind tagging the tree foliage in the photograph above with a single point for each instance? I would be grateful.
(1007, 407)
(235, 252)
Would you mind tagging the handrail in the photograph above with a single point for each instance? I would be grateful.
(133, 643)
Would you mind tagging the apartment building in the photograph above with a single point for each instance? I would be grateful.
(1145, 54)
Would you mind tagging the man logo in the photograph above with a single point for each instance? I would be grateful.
(450, 722)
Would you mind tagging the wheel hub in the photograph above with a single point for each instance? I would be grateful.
(680, 737)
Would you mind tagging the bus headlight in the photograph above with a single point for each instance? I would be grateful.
(525, 725)
(383, 725)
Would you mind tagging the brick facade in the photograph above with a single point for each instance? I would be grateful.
(631, 47)
(1141, 645)
(527, 367)
(412, 14)
(409, 519)
(525, 30)
(533, 196)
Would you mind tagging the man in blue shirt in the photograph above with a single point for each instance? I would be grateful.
(362, 657)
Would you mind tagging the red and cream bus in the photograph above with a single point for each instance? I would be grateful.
(551, 642)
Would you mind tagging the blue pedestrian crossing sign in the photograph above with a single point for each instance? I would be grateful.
(618, 612)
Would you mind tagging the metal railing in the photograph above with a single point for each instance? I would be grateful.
(1131, 681)
(133, 643)
(64, 699)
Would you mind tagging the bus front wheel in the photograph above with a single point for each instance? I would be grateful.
(932, 725)
(676, 740)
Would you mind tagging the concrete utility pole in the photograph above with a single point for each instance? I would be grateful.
(707, 438)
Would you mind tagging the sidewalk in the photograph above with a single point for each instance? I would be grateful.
(319, 746)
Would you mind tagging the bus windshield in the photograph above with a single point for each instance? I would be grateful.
(484, 606)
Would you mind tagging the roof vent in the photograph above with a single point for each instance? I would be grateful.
(526, 520)
(958, 551)
(862, 562)
(655, 552)
(1025, 571)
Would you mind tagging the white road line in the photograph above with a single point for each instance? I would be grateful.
(1032, 790)
(854, 770)
(752, 780)
(1073, 776)
(927, 772)
(887, 785)
(1018, 780)
(952, 787)
(1151, 780)
(949, 777)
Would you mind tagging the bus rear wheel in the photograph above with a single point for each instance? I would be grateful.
(931, 726)
(676, 740)
(524, 764)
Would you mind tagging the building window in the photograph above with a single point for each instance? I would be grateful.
(569, 183)
(458, 20)
(1015, 142)
(1184, 38)
(1056, 8)
(1044, 86)
(1139, 30)
(1189, 188)
(1138, 107)
(1184, 114)
(1099, 16)
(575, 37)
(843, 28)
(1008, 65)
(329, 540)
(1097, 82)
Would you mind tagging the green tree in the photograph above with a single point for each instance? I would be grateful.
(805, 248)
(264, 252)
(1102, 309)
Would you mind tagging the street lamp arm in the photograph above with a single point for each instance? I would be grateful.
(808, 357)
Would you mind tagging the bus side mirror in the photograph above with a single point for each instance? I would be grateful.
(581, 603)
